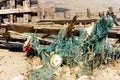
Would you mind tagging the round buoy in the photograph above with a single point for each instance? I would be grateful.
(55, 60)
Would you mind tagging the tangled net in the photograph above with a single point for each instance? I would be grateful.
(91, 52)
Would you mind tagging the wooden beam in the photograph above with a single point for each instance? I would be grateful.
(114, 34)
(53, 29)
(11, 18)
(26, 3)
(23, 10)
(18, 27)
(64, 21)
(88, 13)
(68, 20)
(11, 45)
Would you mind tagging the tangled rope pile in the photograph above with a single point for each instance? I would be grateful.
(76, 49)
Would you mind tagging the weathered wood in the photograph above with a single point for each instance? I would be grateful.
(67, 21)
(12, 4)
(2, 0)
(2, 30)
(18, 27)
(53, 29)
(110, 9)
(70, 27)
(23, 10)
(26, 3)
(45, 23)
(45, 35)
(114, 34)
(25, 35)
(88, 13)
(64, 21)
(11, 18)
(14, 18)
(11, 45)
(26, 17)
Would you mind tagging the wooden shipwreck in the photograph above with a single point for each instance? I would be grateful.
(19, 11)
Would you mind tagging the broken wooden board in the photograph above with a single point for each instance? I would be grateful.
(47, 29)
(17, 27)
(55, 30)
(64, 21)
(83, 21)
(24, 10)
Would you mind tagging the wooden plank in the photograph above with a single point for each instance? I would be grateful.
(11, 45)
(68, 20)
(23, 10)
(26, 17)
(114, 34)
(12, 4)
(2, 0)
(88, 13)
(17, 10)
(54, 29)
(26, 3)
(25, 35)
(64, 21)
(11, 18)
(18, 27)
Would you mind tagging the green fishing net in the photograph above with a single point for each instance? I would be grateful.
(91, 52)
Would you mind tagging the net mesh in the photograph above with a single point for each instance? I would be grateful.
(91, 52)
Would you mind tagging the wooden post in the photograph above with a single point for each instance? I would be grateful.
(42, 13)
(88, 13)
(14, 18)
(110, 9)
(12, 5)
(11, 18)
(8, 4)
(27, 17)
(101, 14)
(52, 12)
(26, 4)
(43, 9)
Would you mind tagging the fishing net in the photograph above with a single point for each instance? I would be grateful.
(91, 52)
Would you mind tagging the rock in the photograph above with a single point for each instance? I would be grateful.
(85, 77)
(19, 77)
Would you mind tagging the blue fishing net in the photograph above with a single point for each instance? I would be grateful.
(91, 52)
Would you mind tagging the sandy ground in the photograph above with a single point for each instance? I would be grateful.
(15, 63)
(12, 64)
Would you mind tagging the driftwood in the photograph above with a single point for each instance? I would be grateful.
(70, 27)
(54, 29)
(83, 21)
(17, 27)
(25, 35)
(17, 46)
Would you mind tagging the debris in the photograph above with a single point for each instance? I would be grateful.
(38, 67)
(91, 52)
(85, 77)
(55, 60)
(19, 77)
